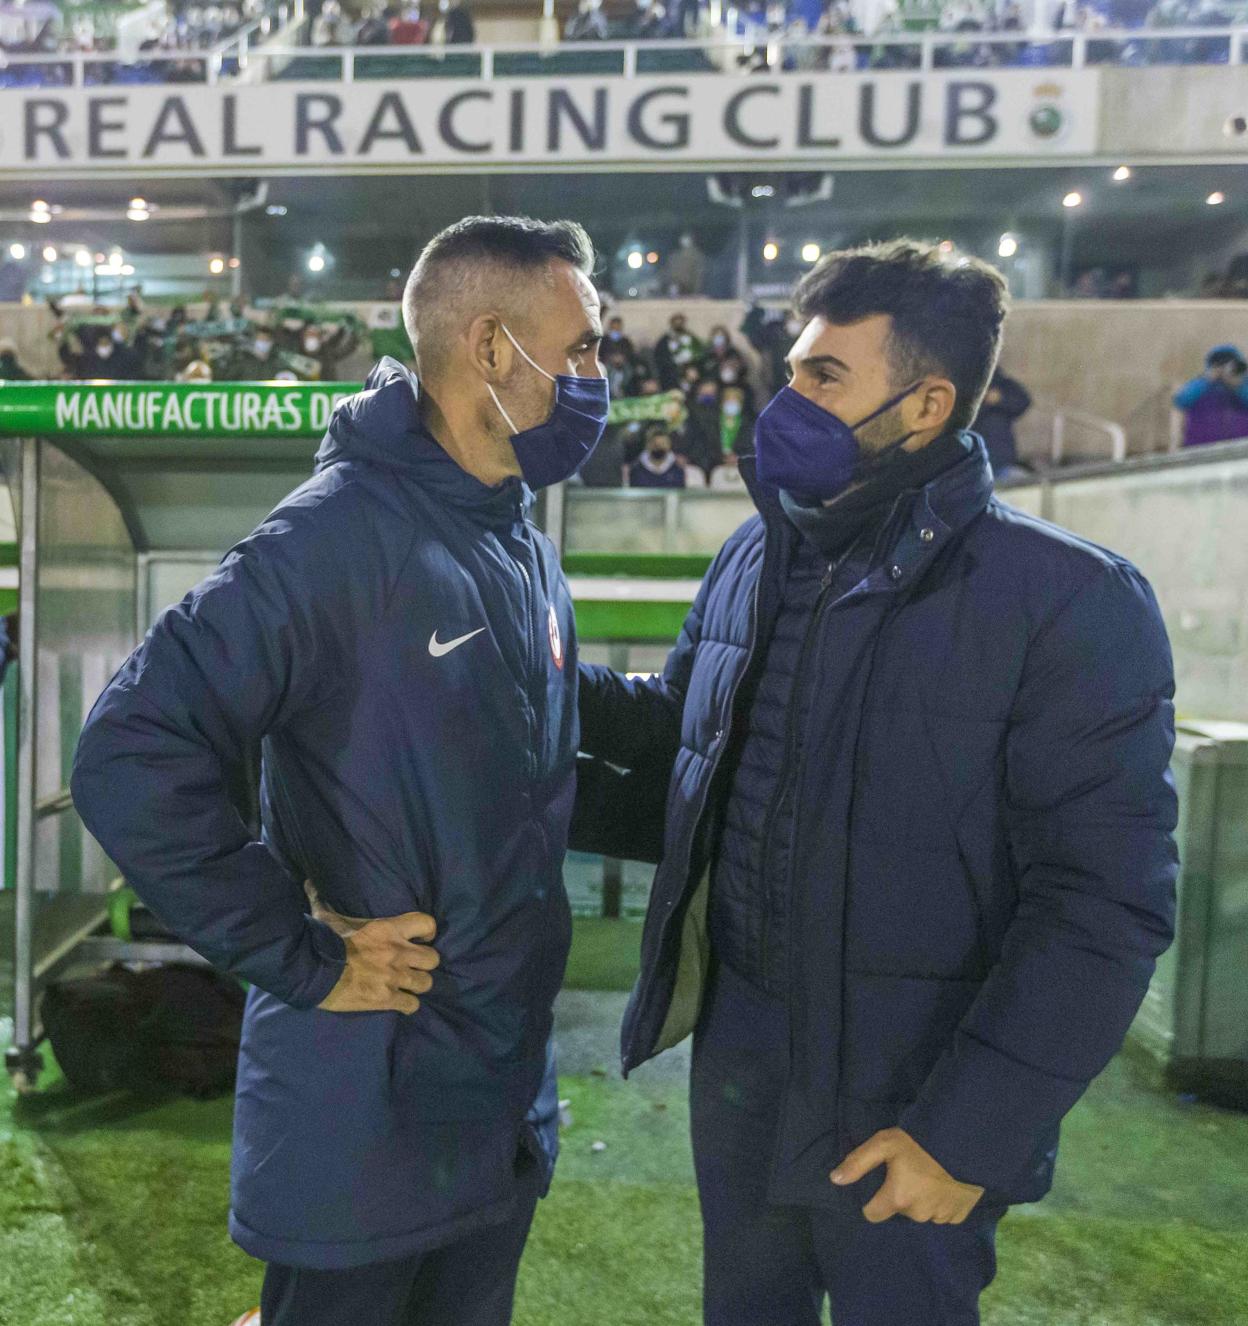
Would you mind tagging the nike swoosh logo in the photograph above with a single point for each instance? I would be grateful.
(439, 650)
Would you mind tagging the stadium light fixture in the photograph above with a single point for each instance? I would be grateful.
(138, 214)
(1122, 173)
(652, 257)
(316, 262)
(771, 251)
(40, 218)
(235, 264)
(1073, 199)
(635, 259)
(17, 251)
(138, 204)
(763, 191)
(1215, 198)
(1007, 246)
(39, 206)
(216, 266)
(82, 258)
(811, 252)
(127, 270)
(49, 253)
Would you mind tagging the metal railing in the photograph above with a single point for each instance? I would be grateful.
(748, 53)
(1104, 431)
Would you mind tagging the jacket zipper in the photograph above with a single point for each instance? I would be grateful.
(532, 668)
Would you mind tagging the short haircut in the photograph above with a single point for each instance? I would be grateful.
(479, 265)
(947, 311)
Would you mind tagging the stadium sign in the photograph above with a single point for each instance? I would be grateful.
(220, 409)
(444, 123)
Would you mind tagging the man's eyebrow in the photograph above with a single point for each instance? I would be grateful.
(819, 361)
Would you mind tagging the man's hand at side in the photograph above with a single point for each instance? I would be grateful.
(917, 1186)
(387, 964)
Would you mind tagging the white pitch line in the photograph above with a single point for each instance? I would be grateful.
(623, 589)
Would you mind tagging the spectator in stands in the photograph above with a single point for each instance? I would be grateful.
(685, 268)
(622, 372)
(408, 28)
(106, 353)
(718, 347)
(616, 335)
(258, 362)
(726, 477)
(1005, 401)
(459, 29)
(198, 370)
(588, 23)
(11, 369)
(658, 466)
(1216, 403)
(772, 334)
(674, 351)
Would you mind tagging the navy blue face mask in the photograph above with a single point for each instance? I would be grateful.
(553, 451)
(810, 453)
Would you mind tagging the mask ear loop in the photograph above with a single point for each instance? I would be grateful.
(526, 356)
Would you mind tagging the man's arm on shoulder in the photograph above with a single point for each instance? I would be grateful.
(1092, 810)
(230, 662)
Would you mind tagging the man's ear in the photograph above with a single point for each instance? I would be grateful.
(489, 348)
(936, 400)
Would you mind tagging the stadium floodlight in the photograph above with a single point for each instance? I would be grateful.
(138, 214)
(811, 252)
(635, 259)
(235, 264)
(275, 209)
(652, 257)
(1007, 246)
(316, 262)
(17, 251)
(127, 269)
(763, 191)
(1073, 199)
(138, 204)
(1122, 173)
(82, 258)
(1215, 198)
(216, 266)
(49, 253)
(40, 218)
(39, 206)
(771, 251)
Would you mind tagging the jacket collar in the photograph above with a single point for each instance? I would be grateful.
(383, 425)
(941, 510)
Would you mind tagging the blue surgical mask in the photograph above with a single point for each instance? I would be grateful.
(555, 450)
(809, 452)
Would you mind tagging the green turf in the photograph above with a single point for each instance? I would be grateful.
(112, 1212)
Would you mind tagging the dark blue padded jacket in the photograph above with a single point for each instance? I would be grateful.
(982, 865)
(397, 776)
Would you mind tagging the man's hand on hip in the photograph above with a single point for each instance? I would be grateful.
(917, 1186)
(387, 965)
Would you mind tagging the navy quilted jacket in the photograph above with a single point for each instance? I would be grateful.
(397, 776)
(982, 872)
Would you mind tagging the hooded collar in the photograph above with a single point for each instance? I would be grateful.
(382, 425)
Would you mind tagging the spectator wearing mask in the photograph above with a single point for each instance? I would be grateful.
(617, 336)
(621, 372)
(675, 352)
(718, 347)
(11, 369)
(658, 466)
(587, 24)
(109, 355)
(772, 334)
(258, 362)
(1215, 404)
(198, 370)
(1005, 401)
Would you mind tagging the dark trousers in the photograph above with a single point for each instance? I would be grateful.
(773, 1265)
(470, 1282)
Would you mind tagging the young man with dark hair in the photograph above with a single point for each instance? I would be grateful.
(398, 639)
(916, 860)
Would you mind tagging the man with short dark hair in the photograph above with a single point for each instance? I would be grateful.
(916, 859)
(398, 639)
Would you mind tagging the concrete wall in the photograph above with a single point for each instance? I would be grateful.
(1116, 360)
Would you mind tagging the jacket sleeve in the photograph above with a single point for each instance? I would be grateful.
(1091, 809)
(232, 661)
(1191, 392)
(630, 734)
